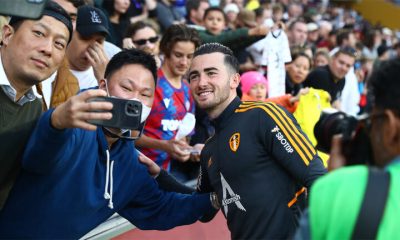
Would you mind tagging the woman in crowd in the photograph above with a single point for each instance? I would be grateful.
(144, 37)
(116, 11)
(297, 71)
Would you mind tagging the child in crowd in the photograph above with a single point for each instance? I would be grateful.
(215, 20)
(215, 23)
(255, 88)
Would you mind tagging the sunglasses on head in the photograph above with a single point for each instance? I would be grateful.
(144, 41)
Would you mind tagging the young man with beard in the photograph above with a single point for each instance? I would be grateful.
(259, 161)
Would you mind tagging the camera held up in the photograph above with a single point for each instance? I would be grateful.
(356, 144)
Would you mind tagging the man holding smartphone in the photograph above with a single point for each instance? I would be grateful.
(76, 175)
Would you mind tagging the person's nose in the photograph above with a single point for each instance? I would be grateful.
(184, 61)
(202, 80)
(149, 44)
(46, 46)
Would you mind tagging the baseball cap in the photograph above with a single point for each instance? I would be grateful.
(91, 20)
(54, 10)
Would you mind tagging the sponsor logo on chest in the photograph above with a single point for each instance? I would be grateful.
(170, 125)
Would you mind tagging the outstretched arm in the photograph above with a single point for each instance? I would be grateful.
(58, 129)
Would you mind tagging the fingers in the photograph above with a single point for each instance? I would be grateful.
(78, 110)
(180, 154)
(98, 59)
(96, 53)
(127, 43)
(152, 167)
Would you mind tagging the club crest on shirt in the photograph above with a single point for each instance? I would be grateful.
(234, 142)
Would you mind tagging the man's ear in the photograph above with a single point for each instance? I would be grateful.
(103, 84)
(392, 132)
(7, 33)
(235, 80)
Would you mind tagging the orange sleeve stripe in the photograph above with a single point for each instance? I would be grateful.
(294, 200)
(306, 145)
(279, 123)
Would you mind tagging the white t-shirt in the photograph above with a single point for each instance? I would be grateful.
(111, 49)
(47, 88)
(85, 78)
(276, 53)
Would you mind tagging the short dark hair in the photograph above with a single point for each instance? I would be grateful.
(341, 36)
(349, 51)
(301, 53)
(178, 33)
(216, 9)
(77, 3)
(229, 58)
(193, 5)
(131, 56)
(294, 22)
(385, 85)
(259, 11)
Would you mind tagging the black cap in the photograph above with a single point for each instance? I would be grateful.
(91, 20)
(54, 10)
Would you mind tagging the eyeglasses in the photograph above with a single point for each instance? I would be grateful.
(144, 41)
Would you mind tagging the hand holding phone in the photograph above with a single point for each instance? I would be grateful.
(126, 113)
(76, 112)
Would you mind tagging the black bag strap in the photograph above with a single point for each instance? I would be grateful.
(373, 205)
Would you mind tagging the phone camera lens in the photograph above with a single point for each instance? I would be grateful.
(132, 109)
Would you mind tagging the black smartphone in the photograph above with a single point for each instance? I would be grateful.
(126, 113)
(31, 9)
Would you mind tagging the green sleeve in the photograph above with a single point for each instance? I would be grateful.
(234, 39)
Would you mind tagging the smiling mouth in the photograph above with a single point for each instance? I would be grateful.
(204, 93)
(40, 63)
